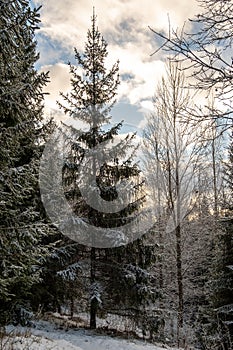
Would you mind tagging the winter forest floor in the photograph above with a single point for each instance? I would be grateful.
(50, 336)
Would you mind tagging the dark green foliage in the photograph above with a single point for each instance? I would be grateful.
(62, 277)
(22, 133)
(216, 323)
(21, 86)
(90, 101)
(105, 271)
(217, 328)
(97, 90)
(223, 285)
(129, 283)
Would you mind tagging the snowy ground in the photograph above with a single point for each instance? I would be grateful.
(45, 336)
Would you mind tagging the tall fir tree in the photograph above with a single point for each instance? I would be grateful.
(22, 133)
(90, 101)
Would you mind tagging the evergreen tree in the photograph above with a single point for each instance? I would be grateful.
(217, 330)
(130, 287)
(223, 281)
(21, 137)
(223, 286)
(90, 101)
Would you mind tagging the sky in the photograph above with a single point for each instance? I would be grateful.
(124, 25)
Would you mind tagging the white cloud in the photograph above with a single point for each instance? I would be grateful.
(124, 24)
(69, 20)
(59, 82)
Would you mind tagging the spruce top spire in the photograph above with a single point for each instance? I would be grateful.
(93, 93)
(93, 19)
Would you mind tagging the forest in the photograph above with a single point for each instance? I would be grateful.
(122, 234)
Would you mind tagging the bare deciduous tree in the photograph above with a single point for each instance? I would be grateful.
(207, 52)
(173, 152)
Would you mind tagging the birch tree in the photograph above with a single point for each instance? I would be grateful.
(173, 151)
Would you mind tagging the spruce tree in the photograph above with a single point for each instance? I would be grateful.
(223, 267)
(223, 286)
(217, 330)
(90, 101)
(22, 134)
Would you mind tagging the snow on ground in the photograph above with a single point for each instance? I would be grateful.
(38, 343)
(45, 336)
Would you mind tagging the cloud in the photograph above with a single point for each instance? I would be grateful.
(69, 20)
(59, 82)
(124, 25)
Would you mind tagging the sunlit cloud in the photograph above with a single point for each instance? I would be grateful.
(59, 81)
(124, 24)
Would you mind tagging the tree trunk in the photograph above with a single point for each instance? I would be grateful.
(161, 238)
(72, 307)
(214, 178)
(93, 311)
(179, 282)
(93, 306)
